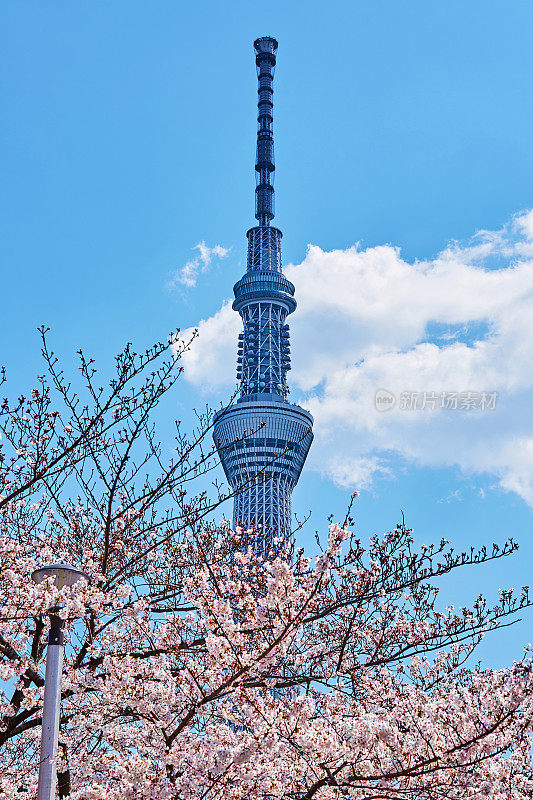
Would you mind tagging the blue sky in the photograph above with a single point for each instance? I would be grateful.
(128, 138)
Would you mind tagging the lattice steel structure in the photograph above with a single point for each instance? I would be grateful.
(262, 439)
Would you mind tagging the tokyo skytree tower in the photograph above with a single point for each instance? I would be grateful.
(262, 439)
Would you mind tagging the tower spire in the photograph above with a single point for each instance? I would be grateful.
(265, 59)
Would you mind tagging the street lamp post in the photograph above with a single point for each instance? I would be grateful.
(64, 575)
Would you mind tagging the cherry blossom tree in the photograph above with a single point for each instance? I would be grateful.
(194, 669)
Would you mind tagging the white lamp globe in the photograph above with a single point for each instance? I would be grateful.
(63, 574)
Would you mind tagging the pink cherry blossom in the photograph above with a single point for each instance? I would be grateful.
(194, 669)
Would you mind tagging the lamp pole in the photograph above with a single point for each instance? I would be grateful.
(64, 575)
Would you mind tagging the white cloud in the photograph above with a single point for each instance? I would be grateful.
(368, 319)
(210, 363)
(453, 496)
(188, 274)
